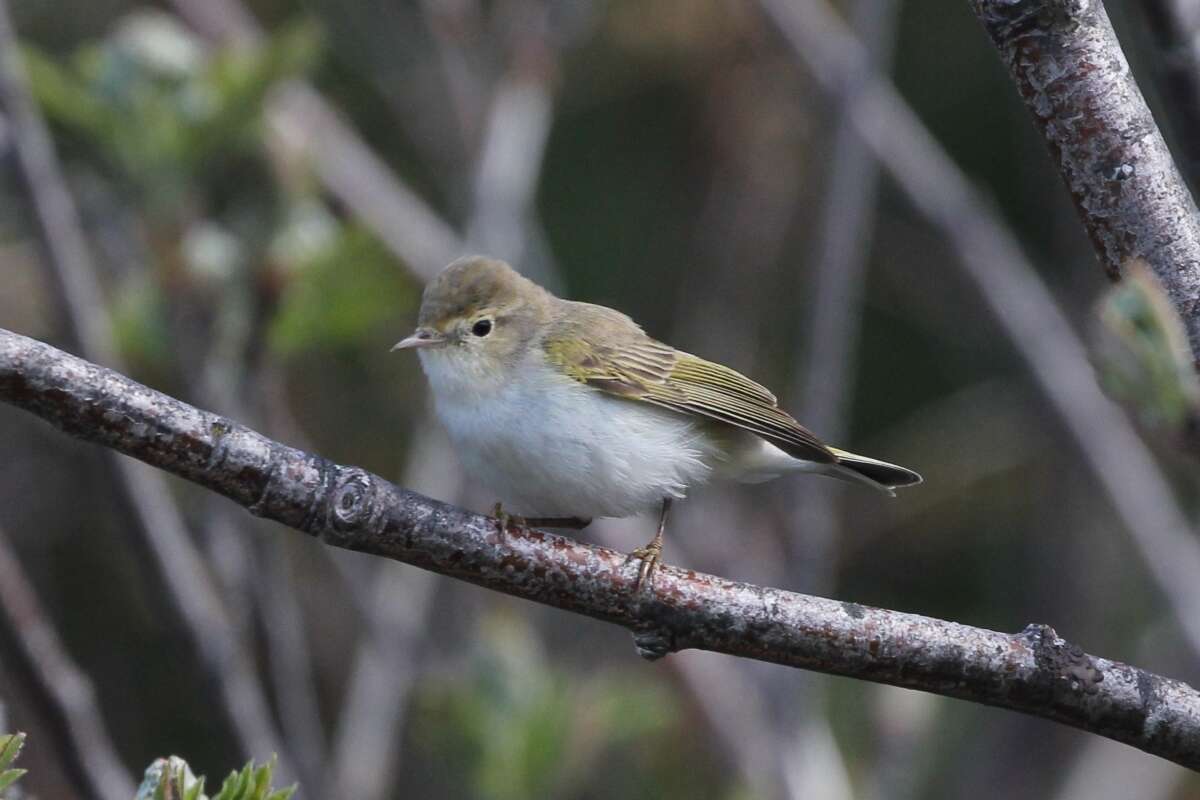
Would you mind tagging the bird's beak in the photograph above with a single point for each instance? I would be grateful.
(422, 337)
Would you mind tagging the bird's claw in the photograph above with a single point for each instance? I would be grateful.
(504, 519)
(651, 557)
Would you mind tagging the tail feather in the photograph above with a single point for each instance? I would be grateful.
(871, 471)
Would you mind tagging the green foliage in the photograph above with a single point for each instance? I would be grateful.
(526, 729)
(157, 106)
(10, 748)
(172, 779)
(139, 317)
(1144, 359)
(342, 284)
(232, 229)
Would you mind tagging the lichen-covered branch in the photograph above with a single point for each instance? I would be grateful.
(1073, 76)
(1034, 671)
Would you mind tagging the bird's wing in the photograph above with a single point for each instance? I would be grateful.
(630, 364)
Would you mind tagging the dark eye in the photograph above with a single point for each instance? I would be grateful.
(482, 328)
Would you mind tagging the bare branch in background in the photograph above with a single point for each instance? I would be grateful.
(825, 378)
(348, 168)
(835, 282)
(509, 165)
(1175, 26)
(385, 669)
(1020, 303)
(454, 25)
(1073, 77)
(291, 664)
(386, 660)
(57, 687)
(1034, 671)
(160, 524)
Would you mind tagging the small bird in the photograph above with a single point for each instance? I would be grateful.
(569, 411)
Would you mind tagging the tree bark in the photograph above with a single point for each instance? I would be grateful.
(1034, 671)
(1072, 74)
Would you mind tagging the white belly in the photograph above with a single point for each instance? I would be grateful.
(558, 448)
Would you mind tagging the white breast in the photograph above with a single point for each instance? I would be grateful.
(554, 447)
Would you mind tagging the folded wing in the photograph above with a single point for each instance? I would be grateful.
(605, 349)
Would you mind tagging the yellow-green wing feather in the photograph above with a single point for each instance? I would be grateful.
(608, 351)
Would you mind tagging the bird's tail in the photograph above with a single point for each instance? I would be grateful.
(877, 474)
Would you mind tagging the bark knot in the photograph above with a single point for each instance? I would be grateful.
(1061, 661)
(1010, 20)
(353, 499)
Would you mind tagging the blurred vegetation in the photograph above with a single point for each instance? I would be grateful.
(517, 726)
(1146, 360)
(10, 748)
(682, 181)
(172, 779)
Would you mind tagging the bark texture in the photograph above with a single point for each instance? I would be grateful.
(1072, 74)
(1034, 671)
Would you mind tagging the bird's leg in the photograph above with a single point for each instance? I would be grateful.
(574, 523)
(651, 554)
(504, 519)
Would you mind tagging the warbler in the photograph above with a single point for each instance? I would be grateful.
(569, 411)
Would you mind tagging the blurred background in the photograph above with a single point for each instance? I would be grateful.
(263, 187)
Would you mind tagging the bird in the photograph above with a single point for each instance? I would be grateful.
(569, 411)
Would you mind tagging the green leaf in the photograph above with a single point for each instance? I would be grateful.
(228, 97)
(197, 790)
(9, 777)
(10, 748)
(66, 99)
(344, 289)
(234, 785)
(170, 779)
(1144, 359)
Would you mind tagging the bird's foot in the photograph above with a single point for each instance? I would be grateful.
(575, 523)
(651, 557)
(504, 519)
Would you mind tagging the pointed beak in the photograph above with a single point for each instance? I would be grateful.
(422, 337)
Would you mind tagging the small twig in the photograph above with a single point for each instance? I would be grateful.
(1034, 671)
(160, 522)
(1072, 74)
(53, 683)
(1019, 301)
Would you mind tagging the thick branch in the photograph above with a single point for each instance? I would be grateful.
(1020, 303)
(1073, 76)
(1034, 671)
(159, 522)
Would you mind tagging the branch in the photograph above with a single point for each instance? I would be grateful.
(1073, 76)
(160, 524)
(1034, 671)
(1020, 303)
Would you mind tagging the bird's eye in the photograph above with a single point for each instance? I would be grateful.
(482, 328)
